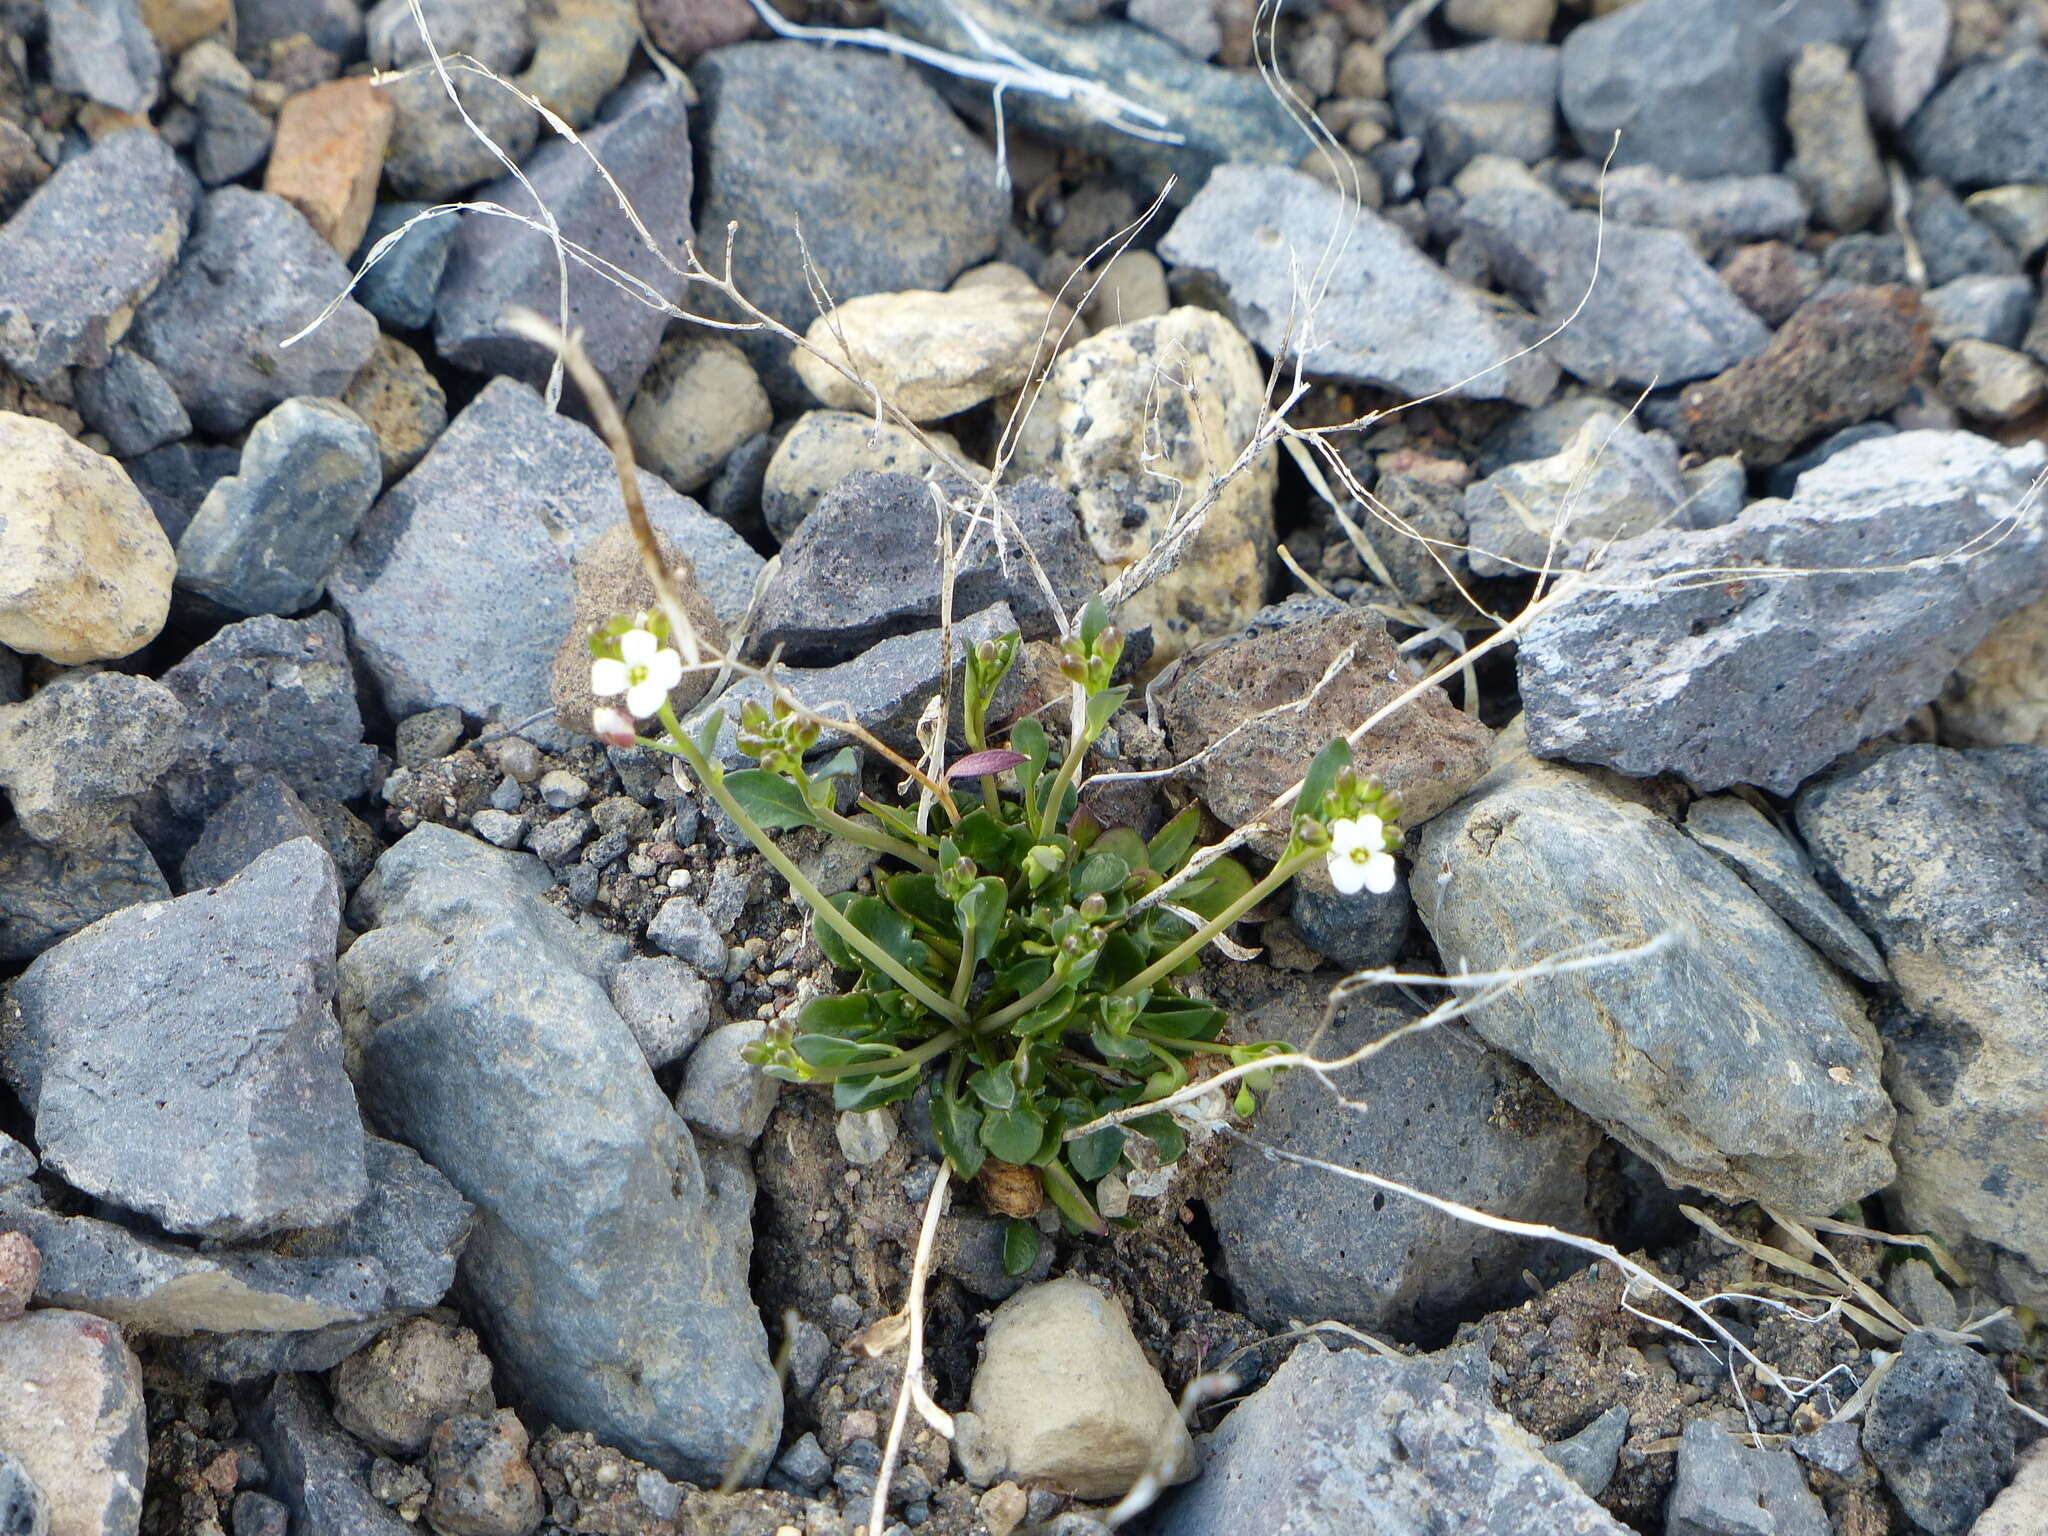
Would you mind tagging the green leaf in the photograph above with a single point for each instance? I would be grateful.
(1322, 773)
(1013, 1135)
(857, 1093)
(889, 929)
(836, 949)
(837, 1051)
(1213, 892)
(1125, 843)
(982, 910)
(1028, 736)
(1094, 620)
(1099, 872)
(1101, 706)
(1183, 1018)
(1020, 1248)
(996, 1087)
(840, 764)
(847, 1016)
(1163, 1134)
(957, 1128)
(1094, 1155)
(918, 897)
(1169, 849)
(987, 841)
(1117, 1048)
(707, 735)
(1051, 1015)
(770, 799)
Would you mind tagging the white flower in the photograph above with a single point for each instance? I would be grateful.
(644, 673)
(1358, 857)
(614, 726)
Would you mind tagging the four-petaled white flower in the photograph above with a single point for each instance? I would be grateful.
(644, 673)
(1358, 857)
(613, 726)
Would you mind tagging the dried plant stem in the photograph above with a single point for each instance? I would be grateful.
(913, 1387)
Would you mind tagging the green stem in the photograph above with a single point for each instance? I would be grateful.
(800, 885)
(867, 836)
(1070, 765)
(963, 976)
(1022, 1006)
(945, 1040)
(1167, 963)
(1072, 1201)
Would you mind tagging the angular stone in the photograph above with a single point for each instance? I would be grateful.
(1952, 241)
(1726, 1488)
(723, 1095)
(75, 1422)
(890, 189)
(399, 289)
(48, 891)
(1834, 155)
(865, 567)
(1423, 82)
(266, 537)
(459, 586)
(131, 404)
(1901, 59)
(328, 155)
(1611, 481)
(642, 139)
(1346, 1440)
(102, 50)
(1779, 870)
(335, 25)
(80, 752)
(392, 1394)
(23, 1509)
(582, 49)
(1940, 854)
(1990, 382)
(1941, 1432)
(85, 570)
(665, 1005)
(1749, 1067)
(1656, 314)
(434, 155)
(1439, 1111)
(92, 243)
(1428, 752)
(182, 1059)
(253, 273)
(698, 403)
(175, 479)
(1720, 211)
(1981, 308)
(1988, 124)
(822, 448)
(1999, 695)
(1754, 681)
(2018, 215)
(400, 402)
(1237, 235)
(320, 1473)
(260, 817)
(614, 1312)
(931, 355)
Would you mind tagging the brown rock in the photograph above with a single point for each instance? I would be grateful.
(610, 581)
(178, 24)
(391, 1395)
(1842, 359)
(328, 155)
(483, 1483)
(1990, 382)
(22, 168)
(1010, 1189)
(1999, 695)
(1427, 751)
(1770, 279)
(402, 403)
(20, 1267)
(682, 29)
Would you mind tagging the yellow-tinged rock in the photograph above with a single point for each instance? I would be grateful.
(1999, 695)
(1137, 423)
(85, 569)
(932, 355)
(178, 24)
(329, 154)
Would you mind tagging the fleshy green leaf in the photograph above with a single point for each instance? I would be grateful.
(1094, 620)
(1099, 872)
(1117, 1048)
(957, 1128)
(996, 1087)
(858, 1093)
(1219, 885)
(707, 734)
(770, 799)
(831, 942)
(841, 763)
(1101, 706)
(1171, 845)
(917, 896)
(1322, 773)
(1164, 1134)
(1020, 1248)
(888, 928)
(982, 909)
(847, 1016)
(1094, 1155)
(1013, 1135)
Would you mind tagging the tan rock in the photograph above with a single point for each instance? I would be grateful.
(2022, 1509)
(85, 569)
(1428, 751)
(178, 24)
(1521, 21)
(700, 400)
(72, 1416)
(401, 402)
(329, 154)
(1999, 695)
(823, 448)
(1991, 382)
(931, 355)
(1138, 423)
(1065, 1396)
(1133, 287)
(610, 580)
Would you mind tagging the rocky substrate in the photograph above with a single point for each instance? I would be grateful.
(376, 1140)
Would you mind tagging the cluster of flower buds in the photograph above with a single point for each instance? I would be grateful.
(1360, 829)
(776, 736)
(1091, 662)
(987, 665)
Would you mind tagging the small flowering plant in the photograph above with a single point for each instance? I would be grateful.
(1017, 961)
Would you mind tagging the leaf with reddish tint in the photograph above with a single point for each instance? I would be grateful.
(994, 760)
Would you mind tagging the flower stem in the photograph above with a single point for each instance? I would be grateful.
(1165, 965)
(872, 837)
(917, 1055)
(1022, 1005)
(1077, 749)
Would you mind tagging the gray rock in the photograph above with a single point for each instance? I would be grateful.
(399, 289)
(101, 49)
(1988, 124)
(459, 587)
(1588, 1458)
(667, 1007)
(1350, 1441)
(1778, 870)
(234, 138)
(253, 273)
(724, 1096)
(130, 403)
(1784, 478)
(267, 695)
(91, 243)
(48, 891)
(1611, 481)
(1738, 1035)
(884, 689)
(864, 566)
(1356, 932)
(891, 190)
(1717, 212)
(1917, 1291)
(336, 25)
(16, 1162)
(1715, 492)
(266, 537)
(181, 1059)
(1952, 241)
(1422, 82)
(2018, 215)
(1693, 86)
(642, 142)
(614, 1312)
(1941, 855)
(175, 479)
(261, 816)
(1834, 154)
(683, 928)
(1725, 1488)
(496, 32)
(320, 1474)
(82, 750)
(1222, 115)
(258, 1514)
(1980, 308)
(1539, 433)
(501, 829)
(1657, 313)
(1460, 132)
(1901, 59)
(1237, 235)
(1440, 1112)
(23, 1509)
(74, 1421)
(427, 735)
(1757, 682)
(391, 1395)
(1941, 1432)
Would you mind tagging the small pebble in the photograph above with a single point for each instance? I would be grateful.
(499, 828)
(561, 789)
